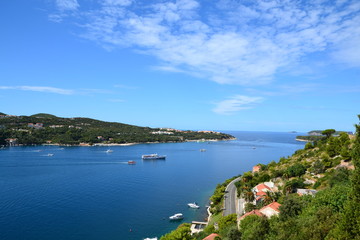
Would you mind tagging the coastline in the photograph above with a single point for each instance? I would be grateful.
(302, 140)
(121, 144)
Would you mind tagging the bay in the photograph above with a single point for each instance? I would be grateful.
(87, 193)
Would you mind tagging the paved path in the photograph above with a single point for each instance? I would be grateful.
(230, 198)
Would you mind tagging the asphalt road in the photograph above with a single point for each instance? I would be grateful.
(230, 198)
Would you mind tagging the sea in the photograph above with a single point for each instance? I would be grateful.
(73, 193)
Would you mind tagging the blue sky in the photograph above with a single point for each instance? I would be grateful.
(231, 65)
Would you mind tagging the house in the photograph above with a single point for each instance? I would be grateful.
(36, 125)
(197, 227)
(12, 141)
(253, 212)
(271, 209)
(303, 191)
(256, 169)
(261, 189)
(211, 236)
(267, 211)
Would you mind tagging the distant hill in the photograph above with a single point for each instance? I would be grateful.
(46, 128)
(43, 115)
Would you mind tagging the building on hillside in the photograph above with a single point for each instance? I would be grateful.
(12, 141)
(256, 169)
(197, 227)
(266, 211)
(260, 191)
(253, 212)
(271, 209)
(211, 236)
(36, 125)
(303, 191)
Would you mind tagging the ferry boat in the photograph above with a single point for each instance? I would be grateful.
(193, 205)
(152, 156)
(177, 216)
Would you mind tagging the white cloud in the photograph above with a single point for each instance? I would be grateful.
(39, 89)
(67, 5)
(236, 103)
(230, 42)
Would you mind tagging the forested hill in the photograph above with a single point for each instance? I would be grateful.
(46, 128)
(313, 194)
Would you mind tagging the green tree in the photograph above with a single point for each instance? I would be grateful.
(249, 196)
(254, 227)
(233, 234)
(291, 207)
(183, 232)
(249, 207)
(328, 132)
(227, 221)
(349, 225)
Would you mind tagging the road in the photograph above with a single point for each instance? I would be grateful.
(230, 198)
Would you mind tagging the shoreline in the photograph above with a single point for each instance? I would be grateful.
(118, 144)
(302, 140)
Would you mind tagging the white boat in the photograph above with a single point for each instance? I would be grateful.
(155, 238)
(177, 216)
(109, 151)
(50, 155)
(202, 150)
(193, 205)
(152, 156)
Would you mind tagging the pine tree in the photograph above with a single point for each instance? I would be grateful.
(349, 225)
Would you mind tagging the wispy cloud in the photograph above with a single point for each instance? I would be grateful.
(236, 103)
(229, 42)
(67, 5)
(124, 86)
(39, 89)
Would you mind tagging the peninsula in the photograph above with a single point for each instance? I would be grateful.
(49, 129)
(312, 194)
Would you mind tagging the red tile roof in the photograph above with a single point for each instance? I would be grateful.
(273, 205)
(261, 186)
(256, 168)
(211, 236)
(256, 212)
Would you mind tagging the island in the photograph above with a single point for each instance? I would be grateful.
(49, 129)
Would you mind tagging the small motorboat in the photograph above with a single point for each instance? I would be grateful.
(131, 162)
(50, 154)
(177, 216)
(203, 150)
(109, 151)
(193, 205)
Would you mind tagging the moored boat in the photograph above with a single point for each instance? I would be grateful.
(177, 216)
(152, 156)
(193, 205)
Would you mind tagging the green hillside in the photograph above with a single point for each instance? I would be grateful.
(46, 128)
(317, 189)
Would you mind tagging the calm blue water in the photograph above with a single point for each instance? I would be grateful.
(86, 193)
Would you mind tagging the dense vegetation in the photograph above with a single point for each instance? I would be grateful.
(330, 165)
(52, 129)
(317, 135)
